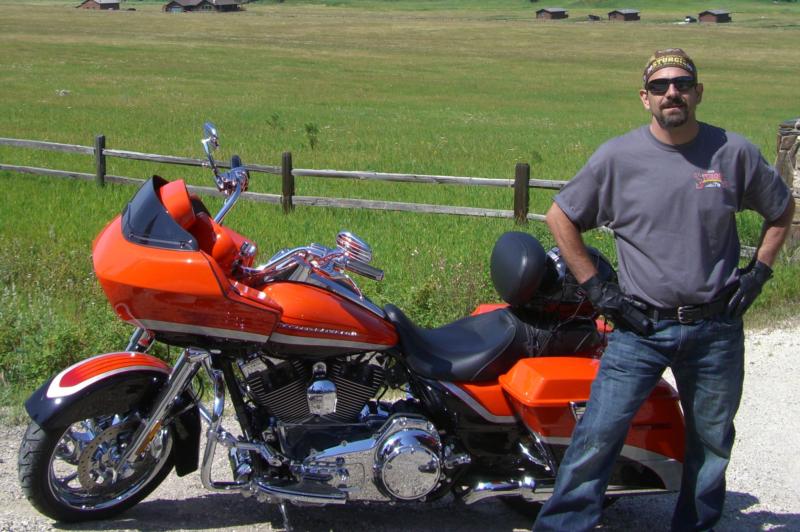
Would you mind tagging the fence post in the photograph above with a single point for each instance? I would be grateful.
(787, 164)
(100, 160)
(288, 182)
(522, 178)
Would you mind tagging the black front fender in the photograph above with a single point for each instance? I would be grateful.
(73, 395)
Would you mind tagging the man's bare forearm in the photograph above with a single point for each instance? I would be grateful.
(569, 241)
(773, 236)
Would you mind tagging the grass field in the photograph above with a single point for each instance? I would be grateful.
(435, 87)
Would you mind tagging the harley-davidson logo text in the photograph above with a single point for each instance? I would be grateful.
(710, 179)
(316, 330)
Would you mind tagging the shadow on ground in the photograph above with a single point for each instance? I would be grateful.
(654, 513)
(224, 510)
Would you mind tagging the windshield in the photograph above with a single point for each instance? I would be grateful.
(145, 221)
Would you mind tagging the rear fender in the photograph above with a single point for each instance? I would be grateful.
(112, 383)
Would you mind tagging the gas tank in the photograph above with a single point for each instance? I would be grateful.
(316, 323)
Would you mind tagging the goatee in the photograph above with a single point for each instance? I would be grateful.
(672, 120)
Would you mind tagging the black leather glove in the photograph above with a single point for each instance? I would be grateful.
(752, 279)
(623, 310)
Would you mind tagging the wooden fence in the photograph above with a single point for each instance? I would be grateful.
(521, 184)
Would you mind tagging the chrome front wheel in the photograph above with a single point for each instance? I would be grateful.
(69, 474)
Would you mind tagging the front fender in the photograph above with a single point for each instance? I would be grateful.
(114, 383)
(103, 384)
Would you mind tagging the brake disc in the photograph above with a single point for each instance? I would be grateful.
(98, 459)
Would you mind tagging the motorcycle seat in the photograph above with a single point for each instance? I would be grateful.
(475, 348)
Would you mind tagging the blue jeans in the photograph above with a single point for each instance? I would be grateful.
(707, 359)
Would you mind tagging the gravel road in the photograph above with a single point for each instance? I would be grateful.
(763, 478)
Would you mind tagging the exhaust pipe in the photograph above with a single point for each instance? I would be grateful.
(524, 488)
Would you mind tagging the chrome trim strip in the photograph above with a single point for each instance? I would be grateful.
(323, 342)
(155, 325)
(543, 493)
(668, 469)
(475, 405)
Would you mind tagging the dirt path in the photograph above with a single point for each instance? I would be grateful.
(763, 479)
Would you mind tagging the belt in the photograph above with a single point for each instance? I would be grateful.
(689, 313)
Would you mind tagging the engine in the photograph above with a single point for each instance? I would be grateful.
(382, 452)
(401, 461)
(295, 391)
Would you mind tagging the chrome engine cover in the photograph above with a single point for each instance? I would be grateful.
(408, 463)
(401, 461)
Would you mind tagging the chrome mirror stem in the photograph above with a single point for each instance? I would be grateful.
(229, 202)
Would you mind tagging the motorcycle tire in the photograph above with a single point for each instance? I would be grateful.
(54, 498)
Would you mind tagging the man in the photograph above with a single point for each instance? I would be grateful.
(668, 191)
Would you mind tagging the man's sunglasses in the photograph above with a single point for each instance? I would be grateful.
(661, 86)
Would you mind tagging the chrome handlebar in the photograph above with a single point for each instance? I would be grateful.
(351, 253)
(332, 262)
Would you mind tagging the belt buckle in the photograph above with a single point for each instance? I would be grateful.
(685, 314)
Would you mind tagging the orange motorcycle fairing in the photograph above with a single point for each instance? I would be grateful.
(549, 393)
(177, 291)
(315, 321)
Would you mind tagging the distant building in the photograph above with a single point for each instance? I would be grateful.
(228, 5)
(99, 4)
(180, 6)
(715, 15)
(552, 13)
(624, 15)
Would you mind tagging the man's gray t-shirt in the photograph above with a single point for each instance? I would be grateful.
(672, 208)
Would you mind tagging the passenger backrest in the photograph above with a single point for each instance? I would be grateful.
(175, 199)
(214, 240)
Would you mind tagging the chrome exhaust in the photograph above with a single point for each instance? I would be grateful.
(524, 488)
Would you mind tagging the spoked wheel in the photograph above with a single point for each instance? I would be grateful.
(68, 473)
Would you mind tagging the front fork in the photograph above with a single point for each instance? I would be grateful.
(186, 367)
(179, 380)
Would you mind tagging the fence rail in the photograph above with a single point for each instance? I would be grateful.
(521, 184)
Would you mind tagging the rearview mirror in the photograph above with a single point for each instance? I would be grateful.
(211, 139)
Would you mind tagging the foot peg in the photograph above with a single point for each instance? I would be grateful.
(304, 492)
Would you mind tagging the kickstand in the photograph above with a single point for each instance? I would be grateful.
(287, 526)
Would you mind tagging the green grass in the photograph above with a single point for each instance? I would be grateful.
(436, 87)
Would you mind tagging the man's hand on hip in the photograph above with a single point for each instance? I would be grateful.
(752, 280)
(609, 299)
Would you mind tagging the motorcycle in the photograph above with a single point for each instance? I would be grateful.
(339, 401)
